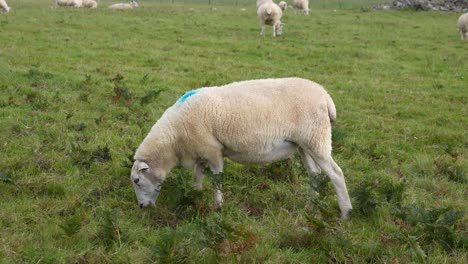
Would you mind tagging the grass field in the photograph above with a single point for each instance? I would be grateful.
(81, 88)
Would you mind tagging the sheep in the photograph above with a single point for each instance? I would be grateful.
(89, 4)
(463, 26)
(256, 121)
(302, 5)
(72, 3)
(124, 6)
(4, 8)
(270, 14)
(283, 5)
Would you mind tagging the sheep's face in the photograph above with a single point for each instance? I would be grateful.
(279, 29)
(146, 182)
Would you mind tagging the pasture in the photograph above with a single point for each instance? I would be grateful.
(79, 90)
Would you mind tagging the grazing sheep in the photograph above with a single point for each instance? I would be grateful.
(89, 4)
(302, 5)
(283, 5)
(257, 121)
(4, 8)
(124, 6)
(463, 26)
(72, 3)
(270, 14)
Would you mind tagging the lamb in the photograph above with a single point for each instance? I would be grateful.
(302, 5)
(463, 26)
(89, 4)
(256, 121)
(4, 8)
(72, 3)
(283, 5)
(270, 14)
(124, 6)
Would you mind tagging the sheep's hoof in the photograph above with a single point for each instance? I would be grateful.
(218, 200)
(346, 215)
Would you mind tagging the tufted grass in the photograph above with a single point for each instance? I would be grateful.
(81, 88)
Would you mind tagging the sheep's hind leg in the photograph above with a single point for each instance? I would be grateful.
(335, 174)
(199, 167)
(312, 169)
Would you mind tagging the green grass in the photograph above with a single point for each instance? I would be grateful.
(81, 88)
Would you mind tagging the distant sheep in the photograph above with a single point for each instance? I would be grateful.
(4, 8)
(283, 5)
(124, 6)
(270, 14)
(463, 26)
(72, 3)
(257, 121)
(89, 4)
(302, 5)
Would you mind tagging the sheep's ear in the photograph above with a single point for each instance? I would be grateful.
(142, 166)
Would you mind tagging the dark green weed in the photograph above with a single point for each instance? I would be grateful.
(72, 225)
(6, 178)
(110, 233)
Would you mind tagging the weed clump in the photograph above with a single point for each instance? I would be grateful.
(110, 233)
(36, 100)
(121, 92)
(84, 158)
(434, 226)
(173, 246)
(102, 154)
(6, 178)
(183, 199)
(72, 225)
(450, 167)
(150, 96)
(371, 193)
(225, 238)
(52, 189)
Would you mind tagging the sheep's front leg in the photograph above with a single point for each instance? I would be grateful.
(263, 29)
(217, 181)
(274, 30)
(199, 167)
(217, 178)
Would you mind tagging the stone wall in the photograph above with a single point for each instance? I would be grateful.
(437, 5)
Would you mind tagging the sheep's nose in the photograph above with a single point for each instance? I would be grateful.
(136, 181)
(141, 205)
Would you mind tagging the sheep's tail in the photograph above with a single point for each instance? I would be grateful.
(331, 109)
(269, 11)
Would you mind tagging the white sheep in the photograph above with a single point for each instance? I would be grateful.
(72, 3)
(302, 5)
(283, 5)
(4, 8)
(257, 121)
(89, 4)
(124, 6)
(463, 26)
(270, 14)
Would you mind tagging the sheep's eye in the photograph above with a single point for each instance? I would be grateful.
(158, 188)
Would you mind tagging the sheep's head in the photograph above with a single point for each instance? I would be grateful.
(147, 182)
(279, 28)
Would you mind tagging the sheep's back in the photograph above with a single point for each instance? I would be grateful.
(463, 23)
(252, 111)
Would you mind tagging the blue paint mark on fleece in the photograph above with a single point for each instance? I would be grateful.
(186, 95)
